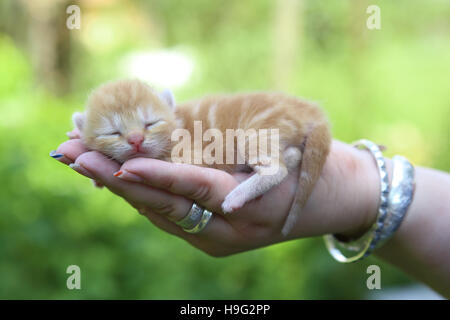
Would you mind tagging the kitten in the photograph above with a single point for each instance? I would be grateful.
(128, 118)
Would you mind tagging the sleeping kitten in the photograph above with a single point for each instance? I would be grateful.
(127, 119)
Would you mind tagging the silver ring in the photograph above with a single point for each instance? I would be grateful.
(206, 216)
(192, 218)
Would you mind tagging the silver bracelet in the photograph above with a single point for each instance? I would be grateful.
(394, 203)
(400, 197)
(364, 245)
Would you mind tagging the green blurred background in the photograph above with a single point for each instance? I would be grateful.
(389, 85)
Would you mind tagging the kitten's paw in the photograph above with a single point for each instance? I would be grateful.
(228, 207)
(233, 201)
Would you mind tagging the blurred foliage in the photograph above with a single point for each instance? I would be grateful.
(389, 85)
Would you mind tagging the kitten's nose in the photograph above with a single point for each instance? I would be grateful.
(136, 139)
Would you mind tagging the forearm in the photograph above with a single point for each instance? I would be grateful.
(345, 202)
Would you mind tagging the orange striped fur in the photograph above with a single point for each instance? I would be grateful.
(118, 109)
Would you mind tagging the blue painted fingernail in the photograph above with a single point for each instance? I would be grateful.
(55, 155)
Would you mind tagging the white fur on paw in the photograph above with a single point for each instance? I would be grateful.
(233, 201)
(292, 157)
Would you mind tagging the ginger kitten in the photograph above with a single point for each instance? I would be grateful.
(128, 118)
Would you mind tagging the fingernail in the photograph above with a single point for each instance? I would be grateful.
(142, 211)
(125, 175)
(55, 155)
(97, 184)
(81, 170)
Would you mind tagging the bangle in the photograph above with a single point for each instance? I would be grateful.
(394, 203)
(400, 197)
(364, 245)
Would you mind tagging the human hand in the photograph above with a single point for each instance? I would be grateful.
(342, 201)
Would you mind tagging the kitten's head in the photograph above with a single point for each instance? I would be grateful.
(127, 119)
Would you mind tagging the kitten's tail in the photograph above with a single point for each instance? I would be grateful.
(314, 154)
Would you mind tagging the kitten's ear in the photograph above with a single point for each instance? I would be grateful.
(78, 120)
(167, 97)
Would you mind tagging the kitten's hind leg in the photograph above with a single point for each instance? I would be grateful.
(254, 186)
(315, 152)
(269, 172)
(292, 157)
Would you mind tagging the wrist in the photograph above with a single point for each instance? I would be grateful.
(366, 183)
(345, 199)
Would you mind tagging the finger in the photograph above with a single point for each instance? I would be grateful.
(157, 219)
(99, 166)
(96, 166)
(206, 186)
(217, 231)
(169, 206)
(97, 184)
(70, 150)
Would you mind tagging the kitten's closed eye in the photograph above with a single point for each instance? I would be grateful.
(148, 125)
(110, 135)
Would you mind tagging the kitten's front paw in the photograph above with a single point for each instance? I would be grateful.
(233, 201)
